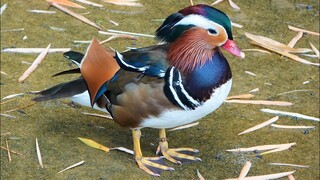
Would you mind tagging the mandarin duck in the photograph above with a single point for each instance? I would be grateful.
(178, 81)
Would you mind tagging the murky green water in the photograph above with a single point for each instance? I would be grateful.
(57, 125)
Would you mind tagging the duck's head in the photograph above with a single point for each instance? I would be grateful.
(214, 22)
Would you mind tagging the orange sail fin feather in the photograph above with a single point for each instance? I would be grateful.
(97, 67)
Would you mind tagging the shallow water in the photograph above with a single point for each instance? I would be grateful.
(57, 125)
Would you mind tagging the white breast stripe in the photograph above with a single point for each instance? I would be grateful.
(193, 101)
(174, 93)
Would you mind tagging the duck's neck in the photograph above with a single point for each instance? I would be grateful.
(203, 79)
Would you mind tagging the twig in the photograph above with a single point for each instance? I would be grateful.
(12, 96)
(72, 166)
(28, 105)
(35, 50)
(39, 153)
(90, 3)
(268, 176)
(13, 152)
(270, 121)
(244, 171)
(185, 126)
(107, 116)
(292, 165)
(284, 113)
(7, 115)
(9, 154)
(293, 91)
(261, 148)
(295, 39)
(77, 16)
(241, 96)
(7, 101)
(124, 32)
(34, 65)
(66, 3)
(303, 30)
(3, 7)
(199, 175)
(292, 127)
(261, 102)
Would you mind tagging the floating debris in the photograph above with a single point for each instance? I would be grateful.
(39, 153)
(4, 134)
(270, 121)
(28, 105)
(303, 30)
(236, 25)
(114, 23)
(94, 144)
(306, 82)
(232, 4)
(3, 73)
(41, 11)
(290, 177)
(11, 151)
(280, 48)
(260, 102)
(123, 150)
(107, 116)
(267, 176)
(241, 96)
(12, 96)
(125, 36)
(258, 50)
(292, 127)
(199, 175)
(82, 42)
(295, 39)
(76, 15)
(72, 166)
(284, 113)
(13, 30)
(281, 148)
(3, 7)
(123, 2)
(126, 12)
(250, 73)
(293, 91)
(244, 171)
(66, 3)
(35, 50)
(124, 32)
(7, 115)
(261, 148)
(90, 3)
(184, 126)
(254, 90)
(315, 50)
(292, 165)
(56, 28)
(34, 65)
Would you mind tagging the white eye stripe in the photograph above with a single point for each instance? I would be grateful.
(196, 20)
(200, 21)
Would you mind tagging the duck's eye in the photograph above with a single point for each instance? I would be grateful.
(212, 32)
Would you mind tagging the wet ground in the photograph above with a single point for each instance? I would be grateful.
(57, 125)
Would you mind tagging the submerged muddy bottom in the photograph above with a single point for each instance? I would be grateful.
(57, 125)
